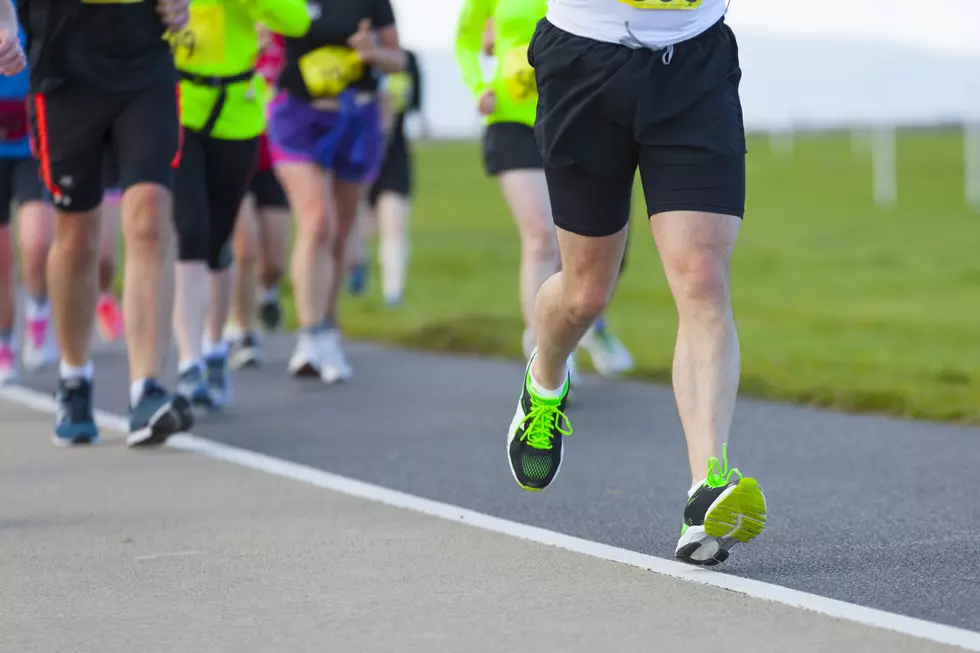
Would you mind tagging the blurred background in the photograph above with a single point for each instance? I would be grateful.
(857, 275)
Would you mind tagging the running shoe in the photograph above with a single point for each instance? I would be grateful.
(609, 356)
(39, 349)
(270, 314)
(157, 416)
(357, 278)
(75, 421)
(192, 386)
(245, 351)
(534, 441)
(334, 366)
(109, 318)
(305, 361)
(218, 381)
(8, 365)
(725, 509)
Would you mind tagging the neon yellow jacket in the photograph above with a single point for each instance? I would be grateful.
(221, 40)
(513, 81)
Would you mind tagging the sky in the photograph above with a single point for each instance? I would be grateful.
(942, 25)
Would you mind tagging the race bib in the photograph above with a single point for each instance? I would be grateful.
(663, 4)
(399, 87)
(202, 42)
(518, 74)
(327, 71)
(13, 120)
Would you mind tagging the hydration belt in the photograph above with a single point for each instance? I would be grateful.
(220, 83)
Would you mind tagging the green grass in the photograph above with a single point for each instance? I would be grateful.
(838, 304)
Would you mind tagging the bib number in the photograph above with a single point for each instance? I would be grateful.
(13, 120)
(518, 75)
(327, 71)
(663, 4)
(202, 42)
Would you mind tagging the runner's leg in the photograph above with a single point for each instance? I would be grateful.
(108, 313)
(392, 212)
(245, 246)
(274, 229)
(8, 369)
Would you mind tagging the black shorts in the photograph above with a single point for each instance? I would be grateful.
(268, 191)
(213, 177)
(510, 146)
(605, 109)
(73, 127)
(395, 175)
(20, 181)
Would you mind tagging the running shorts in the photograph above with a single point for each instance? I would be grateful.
(509, 146)
(267, 190)
(213, 177)
(349, 141)
(20, 181)
(395, 175)
(605, 109)
(72, 127)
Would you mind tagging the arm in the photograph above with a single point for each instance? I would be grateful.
(12, 59)
(8, 15)
(469, 43)
(488, 39)
(287, 17)
(388, 56)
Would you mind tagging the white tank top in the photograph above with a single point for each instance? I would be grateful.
(651, 23)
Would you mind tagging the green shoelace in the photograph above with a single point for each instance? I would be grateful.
(541, 422)
(718, 473)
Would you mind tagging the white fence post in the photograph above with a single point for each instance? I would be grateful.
(884, 167)
(971, 165)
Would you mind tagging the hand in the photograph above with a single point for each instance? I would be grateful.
(363, 41)
(12, 58)
(488, 102)
(175, 14)
(265, 36)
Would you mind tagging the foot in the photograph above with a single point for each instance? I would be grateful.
(245, 351)
(8, 365)
(357, 279)
(334, 366)
(39, 349)
(218, 381)
(609, 356)
(75, 423)
(725, 509)
(109, 318)
(191, 385)
(270, 314)
(305, 361)
(534, 441)
(156, 416)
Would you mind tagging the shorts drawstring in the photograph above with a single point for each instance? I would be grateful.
(633, 42)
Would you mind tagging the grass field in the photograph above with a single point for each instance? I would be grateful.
(838, 304)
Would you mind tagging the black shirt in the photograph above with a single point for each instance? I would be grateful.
(112, 47)
(397, 138)
(334, 22)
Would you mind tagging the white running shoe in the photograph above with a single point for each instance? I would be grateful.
(609, 356)
(39, 348)
(305, 361)
(334, 366)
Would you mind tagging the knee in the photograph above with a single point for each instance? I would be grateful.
(149, 216)
(77, 236)
(314, 225)
(586, 301)
(698, 277)
(540, 241)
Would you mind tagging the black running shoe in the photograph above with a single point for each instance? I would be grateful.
(75, 423)
(157, 416)
(270, 313)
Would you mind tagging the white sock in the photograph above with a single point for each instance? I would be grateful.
(694, 488)
(69, 372)
(212, 349)
(271, 295)
(37, 309)
(183, 366)
(545, 393)
(136, 391)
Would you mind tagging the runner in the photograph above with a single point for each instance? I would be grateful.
(510, 153)
(261, 240)
(102, 74)
(108, 315)
(223, 113)
(20, 181)
(325, 133)
(652, 85)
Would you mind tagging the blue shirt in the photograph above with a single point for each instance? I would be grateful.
(16, 88)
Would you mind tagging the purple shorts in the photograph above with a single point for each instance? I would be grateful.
(348, 141)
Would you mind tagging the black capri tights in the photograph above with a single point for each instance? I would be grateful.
(213, 177)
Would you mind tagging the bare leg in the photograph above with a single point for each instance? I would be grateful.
(348, 198)
(273, 245)
(393, 212)
(109, 244)
(245, 244)
(192, 298)
(34, 225)
(220, 306)
(6, 287)
(72, 276)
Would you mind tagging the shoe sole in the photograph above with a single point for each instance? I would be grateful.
(65, 443)
(331, 376)
(738, 515)
(170, 419)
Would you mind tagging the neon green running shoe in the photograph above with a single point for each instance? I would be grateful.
(727, 508)
(534, 441)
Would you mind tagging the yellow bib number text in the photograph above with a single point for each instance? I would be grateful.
(327, 71)
(518, 74)
(202, 42)
(663, 4)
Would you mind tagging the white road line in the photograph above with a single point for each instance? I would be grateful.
(939, 633)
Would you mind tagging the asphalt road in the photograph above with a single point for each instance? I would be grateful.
(878, 512)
